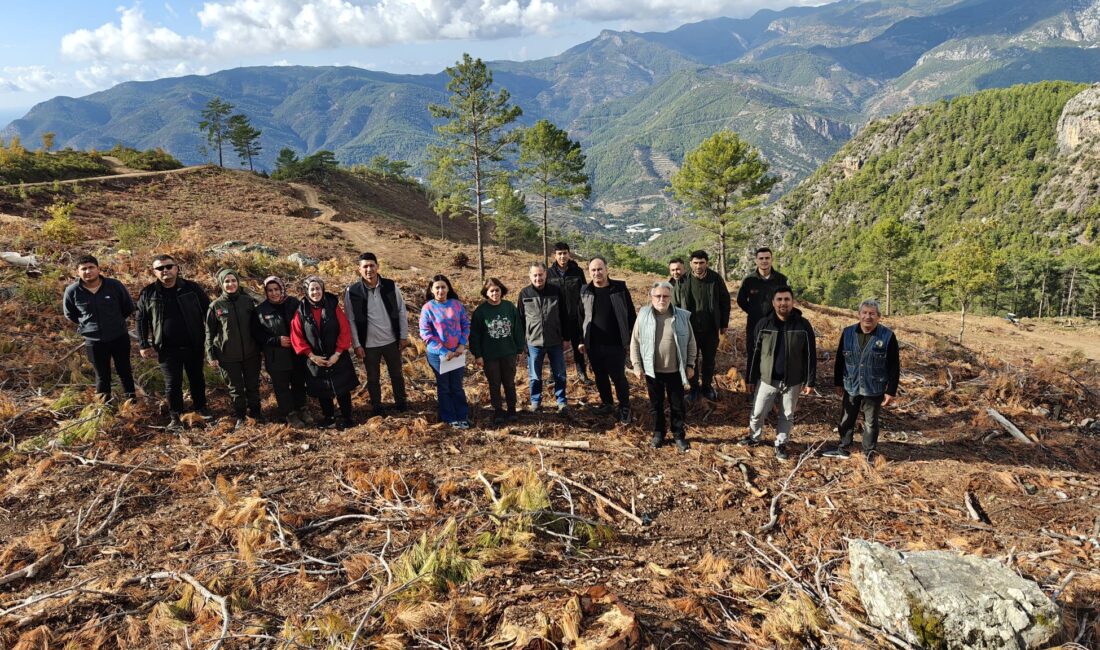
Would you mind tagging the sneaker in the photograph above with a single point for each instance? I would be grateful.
(346, 423)
(658, 439)
(781, 453)
(174, 423)
(682, 444)
(602, 409)
(306, 417)
(400, 407)
(711, 394)
(533, 407)
(327, 423)
(238, 423)
(836, 452)
(294, 420)
(750, 441)
(498, 417)
(460, 425)
(379, 411)
(205, 413)
(563, 408)
(624, 415)
(511, 417)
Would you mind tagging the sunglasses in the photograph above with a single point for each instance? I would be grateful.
(165, 267)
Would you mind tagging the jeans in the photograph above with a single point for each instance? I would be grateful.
(609, 365)
(174, 362)
(449, 392)
(766, 395)
(101, 353)
(502, 373)
(391, 353)
(707, 341)
(871, 406)
(243, 380)
(535, 358)
(289, 387)
(670, 383)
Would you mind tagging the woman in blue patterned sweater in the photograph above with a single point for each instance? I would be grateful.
(445, 328)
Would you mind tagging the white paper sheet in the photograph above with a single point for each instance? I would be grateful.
(447, 365)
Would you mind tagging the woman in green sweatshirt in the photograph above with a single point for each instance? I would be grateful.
(230, 346)
(495, 340)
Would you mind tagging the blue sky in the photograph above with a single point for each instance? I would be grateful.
(76, 47)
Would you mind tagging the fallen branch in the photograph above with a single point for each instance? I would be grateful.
(1009, 427)
(32, 569)
(599, 497)
(222, 603)
(110, 514)
(773, 509)
(31, 600)
(1076, 541)
(542, 442)
(974, 509)
(118, 467)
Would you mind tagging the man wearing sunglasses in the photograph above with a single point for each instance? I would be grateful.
(171, 326)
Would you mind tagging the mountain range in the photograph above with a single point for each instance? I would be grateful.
(797, 83)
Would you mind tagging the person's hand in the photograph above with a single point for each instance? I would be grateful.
(362, 353)
(460, 350)
(284, 341)
(214, 363)
(580, 348)
(638, 372)
(401, 345)
(690, 372)
(840, 392)
(148, 353)
(806, 390)
(887, 400)
(331, 361)
(318, 360)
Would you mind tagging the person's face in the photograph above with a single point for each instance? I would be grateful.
(166, 271)
(869, 318)
(368, 270)
(764, 263)
(493, 294)
(783, 303)
(538, 277)
(88, 272)
(598, 270)
(230, 284)
(315, 291)
(698, 266)
(562, 257)
(274, 293)
(660, 298)
(439, 290)
(676, 270)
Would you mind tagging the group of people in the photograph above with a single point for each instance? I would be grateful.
(308, 345)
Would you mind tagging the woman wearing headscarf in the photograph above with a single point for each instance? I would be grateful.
(445, 328)
(230, 346)
(286, 369)
(320, 333)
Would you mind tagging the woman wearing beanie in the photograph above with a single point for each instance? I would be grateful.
(230, 346)
(286, 369)
(320, 333)
(445, 328)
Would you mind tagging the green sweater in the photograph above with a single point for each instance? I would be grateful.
(494, 331)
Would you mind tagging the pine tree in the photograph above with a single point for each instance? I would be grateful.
(215, 124)
(245, 138)
(554, 167)
(511, 226)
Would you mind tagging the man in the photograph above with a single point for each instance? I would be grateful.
(379, 330)
(676, 272)
(607, 319)
(704, 294)
(171, 324)
(100, 306)
(542, 320)
(568, 277)
(784, 363)
(662, 346)
(755, 295)
(866, 374)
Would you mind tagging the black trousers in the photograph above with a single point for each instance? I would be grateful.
(575, 338)
(174, 362)
(101, 353)
(669, 383)
(329, 411)
(609, 367)
(750, 347)
(707, 342)
(871, 407)
(243, 380)
(289, 387)
(391, 353)
(502, 373)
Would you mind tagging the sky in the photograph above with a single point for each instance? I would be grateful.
(77, 47)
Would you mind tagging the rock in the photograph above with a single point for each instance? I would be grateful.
(1079, 123)
(940, 599)
(302, 260)
(235, 246)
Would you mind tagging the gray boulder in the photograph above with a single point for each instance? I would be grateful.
(302, 260)
(228, 247)
(940, 599)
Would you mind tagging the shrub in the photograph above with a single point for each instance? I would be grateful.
(61, 228)
(136, 233)
(43, 291)
(460, 260)
(151, 160)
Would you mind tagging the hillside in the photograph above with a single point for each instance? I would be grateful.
(797, 83)
(1018, 165)
(400, 533)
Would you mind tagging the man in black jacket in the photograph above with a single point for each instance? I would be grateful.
(704, 294)
(755, 296)
(100, 306)
(542, 322)
(171, 324)
(568, 277)
(607, 322)
(676, 273)
(784, 364)
(379, 330)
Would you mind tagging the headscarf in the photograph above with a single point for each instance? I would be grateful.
(310, 280)
(223, 274)
(277, 280)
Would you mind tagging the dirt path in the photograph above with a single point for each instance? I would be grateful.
(131, 174)
(356, 232)
(118, 167)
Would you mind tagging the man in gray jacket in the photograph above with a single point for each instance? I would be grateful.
(542, 320)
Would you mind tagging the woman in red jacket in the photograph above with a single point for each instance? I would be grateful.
(320, 332)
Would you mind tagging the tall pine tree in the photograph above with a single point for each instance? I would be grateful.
(554, 167)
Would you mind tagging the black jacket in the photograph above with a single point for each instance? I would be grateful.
(541, 315)
(569, 280)
(273, 321)
(708, 300)
(800, 351)
(193, 304)
(322, 337)
(620, 302)
(755, 296)
(99, 316)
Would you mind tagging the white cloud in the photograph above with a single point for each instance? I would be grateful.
(104, 75)
(27, 79)
(132, 39)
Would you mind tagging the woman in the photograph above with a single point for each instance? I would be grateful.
(320, 332)
(445, 328)
(495, 340)
(287, 370)
(231, 348)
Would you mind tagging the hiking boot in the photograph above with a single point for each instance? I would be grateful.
(511, 417)
(602, 409)
(327, 423)
(624, 415)
(711, 394)
(658, 439)
(400, 407)
(498, 417)
(781, 453)
(750, 440)
(174, 423)
(682, 444)
(294, 420)
(836, 452)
